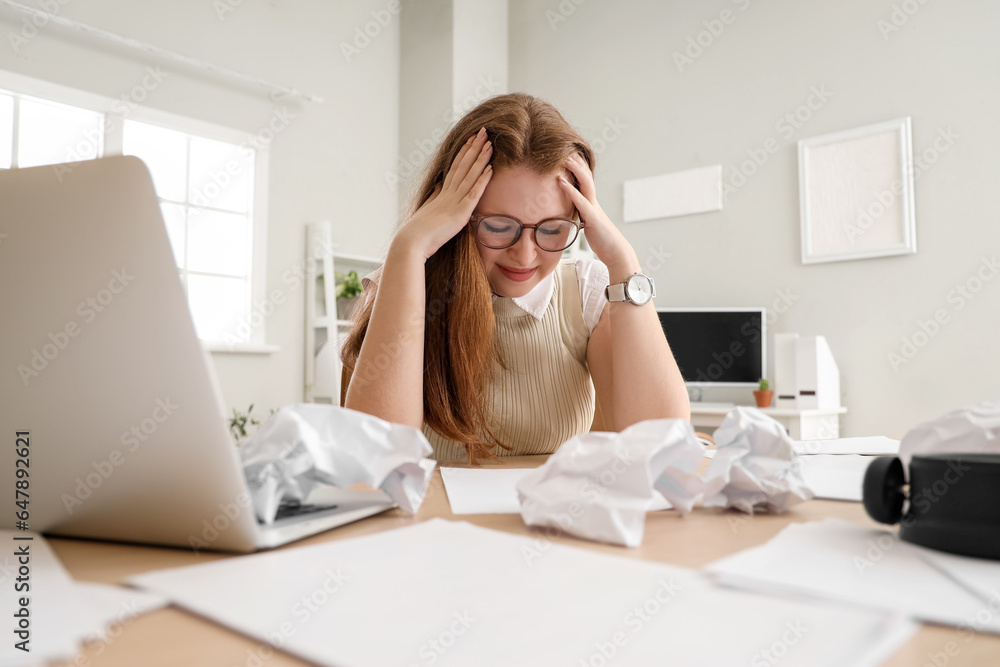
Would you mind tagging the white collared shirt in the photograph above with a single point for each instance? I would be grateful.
(593, 277)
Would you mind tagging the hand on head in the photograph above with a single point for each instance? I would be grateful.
(449, 208)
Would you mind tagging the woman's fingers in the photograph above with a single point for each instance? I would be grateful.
(476, 170)
(467, 204)
(434, 194)
(451, 203)
(582, 204)
(579, 168)
(478, 188)
(450, 176)
(466, 161)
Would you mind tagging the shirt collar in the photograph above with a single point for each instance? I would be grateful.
(537, 300)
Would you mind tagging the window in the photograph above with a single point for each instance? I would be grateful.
(205, 190)
(6, 130)
(211, 184)
(35, 132)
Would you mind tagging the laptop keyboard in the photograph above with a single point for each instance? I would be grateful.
(292, 509)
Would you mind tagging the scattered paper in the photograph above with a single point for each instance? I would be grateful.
(842, 561)
(483, 491)
(869, 446)
(113, 607)
(979, 576)
(455, 594)
(58, 617)
(754, 465)
(972, 429)
(306, 445)
(494, 491)
(836, 476)
(62, 613)
(599, 485)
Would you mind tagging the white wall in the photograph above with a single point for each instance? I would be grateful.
(453, 55)
(609, 67)
(611, 64)
(328, 163)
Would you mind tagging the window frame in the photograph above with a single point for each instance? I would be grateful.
(112, 144)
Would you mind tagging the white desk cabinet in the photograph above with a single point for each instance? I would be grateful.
(801, 424)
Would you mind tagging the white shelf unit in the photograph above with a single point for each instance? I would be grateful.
(804, 424)
(325, 328)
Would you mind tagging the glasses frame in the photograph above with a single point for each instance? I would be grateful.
(476, 219)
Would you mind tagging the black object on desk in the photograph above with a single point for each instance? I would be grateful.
(954, 501)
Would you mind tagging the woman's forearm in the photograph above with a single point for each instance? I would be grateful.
(388, 377)
(646, 381)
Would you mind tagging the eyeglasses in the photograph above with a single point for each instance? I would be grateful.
(499, 232)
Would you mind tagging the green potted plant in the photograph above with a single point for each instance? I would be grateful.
(242, 423)
(764, 394)
(239, 424)
(348, 289)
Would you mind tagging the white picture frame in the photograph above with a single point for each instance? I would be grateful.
(856, 193)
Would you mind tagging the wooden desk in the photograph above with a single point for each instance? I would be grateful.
(172, 637)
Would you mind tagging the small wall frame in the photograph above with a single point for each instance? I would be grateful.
(856, 193)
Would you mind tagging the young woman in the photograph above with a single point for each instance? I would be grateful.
(475, 330)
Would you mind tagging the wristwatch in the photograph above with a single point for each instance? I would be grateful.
(639, 289)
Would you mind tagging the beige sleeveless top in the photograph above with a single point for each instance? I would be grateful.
(545, 396)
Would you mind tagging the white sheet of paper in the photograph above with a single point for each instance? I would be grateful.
(63, 612)
(842, 561)
(115, 605)
(978, 575)
(754, 467)
(875, 445)
(58, 614)
(493, 491)
(483, 491)
(449, 593)
(835, 476)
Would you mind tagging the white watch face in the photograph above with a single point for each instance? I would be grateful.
(639, 289)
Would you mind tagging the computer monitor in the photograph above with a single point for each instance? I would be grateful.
(717, 346)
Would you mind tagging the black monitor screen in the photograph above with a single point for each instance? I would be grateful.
(716, 347)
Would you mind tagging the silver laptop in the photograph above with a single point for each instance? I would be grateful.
(108, 402)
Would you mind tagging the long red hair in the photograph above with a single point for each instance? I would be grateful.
(461, 352)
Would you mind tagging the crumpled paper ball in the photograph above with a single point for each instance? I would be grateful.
(305, 445)
(600, 485)
(968, 430)
(754, 465)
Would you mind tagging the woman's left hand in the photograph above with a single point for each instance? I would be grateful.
(604, 238)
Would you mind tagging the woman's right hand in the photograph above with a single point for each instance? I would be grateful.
(450, 206)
